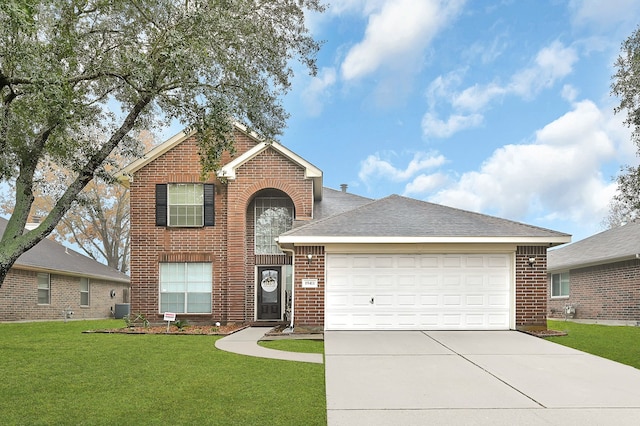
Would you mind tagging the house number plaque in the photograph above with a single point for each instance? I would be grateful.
(309, 283)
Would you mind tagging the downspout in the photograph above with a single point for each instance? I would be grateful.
(293, 282)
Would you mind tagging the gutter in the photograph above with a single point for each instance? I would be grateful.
(293, 283)
(597, 262)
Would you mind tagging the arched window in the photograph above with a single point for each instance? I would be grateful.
(273, 216)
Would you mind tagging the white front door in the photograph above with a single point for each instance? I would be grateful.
(418, 292)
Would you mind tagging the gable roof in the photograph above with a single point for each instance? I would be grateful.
(52, 257)
(227, 171)
(613, 245)
(397, 219)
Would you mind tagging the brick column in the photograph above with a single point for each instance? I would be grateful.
(531, 288)
(308, 303)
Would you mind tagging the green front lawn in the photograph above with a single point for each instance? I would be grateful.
(51, 373)
(621, 344)
(303, 345)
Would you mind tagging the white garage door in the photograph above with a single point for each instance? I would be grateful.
(418, 292)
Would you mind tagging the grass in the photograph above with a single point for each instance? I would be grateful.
(618, 343)
(52, 373)
(303, 345)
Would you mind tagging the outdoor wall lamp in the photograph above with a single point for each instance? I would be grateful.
(531, 261)
(309, 257)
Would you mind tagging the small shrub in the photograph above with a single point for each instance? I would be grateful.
(134, 321)
(181, 324)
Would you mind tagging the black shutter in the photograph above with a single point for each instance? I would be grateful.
(209, 210)
(161, 205)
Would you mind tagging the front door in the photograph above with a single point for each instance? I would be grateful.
(268, 288)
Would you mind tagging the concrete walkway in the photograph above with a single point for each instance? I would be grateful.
(245, 342)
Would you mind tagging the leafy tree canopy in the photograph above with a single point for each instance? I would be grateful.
(121, 66)
(625, 206)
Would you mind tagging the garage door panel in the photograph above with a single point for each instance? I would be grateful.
(427, 261)
(475, 300)
(429, 300)
(418, 292)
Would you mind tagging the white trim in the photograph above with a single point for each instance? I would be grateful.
(320, 240)
(228, 171)
(125, 176)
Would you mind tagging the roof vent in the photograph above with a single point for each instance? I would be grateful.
(343, 187)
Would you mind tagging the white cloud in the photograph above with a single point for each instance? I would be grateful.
(316, 93)
(374, 167)
(425, 184)
(603, 15)
(397, 34)
(432, 126)
(552, 63)
(559, 172)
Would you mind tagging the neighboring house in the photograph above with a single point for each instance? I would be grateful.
(597, 278)
(50, 281)
(263, 240)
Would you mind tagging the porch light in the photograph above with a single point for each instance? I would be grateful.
(531, 261)
(309, 257)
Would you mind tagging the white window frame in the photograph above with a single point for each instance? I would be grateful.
(83, 292)
(185, 205)
(178, 286)
(557, 281)
(43, 287)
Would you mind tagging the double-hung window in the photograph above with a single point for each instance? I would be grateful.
(185, 204)
(44, 289)
(84, 291)
(185, 288)
(560, 285)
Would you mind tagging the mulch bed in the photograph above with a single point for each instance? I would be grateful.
(207, 330)
(546, 333)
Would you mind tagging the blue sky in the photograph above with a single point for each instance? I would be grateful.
(499, 107)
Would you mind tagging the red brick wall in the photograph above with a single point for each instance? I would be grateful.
(531, 288)
(308, 303)
(605, 292)
(19, 297)
(152, 244)
(228, 244)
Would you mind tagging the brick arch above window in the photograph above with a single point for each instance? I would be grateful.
(302, 200)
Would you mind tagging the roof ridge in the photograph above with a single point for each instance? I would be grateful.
(478, 214)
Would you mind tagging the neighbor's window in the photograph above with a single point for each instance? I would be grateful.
(560, 285)
(84, 291)
(274, 216)
(44, 289)
(185, 288)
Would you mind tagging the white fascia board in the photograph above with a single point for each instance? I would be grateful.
(228, 171)
(125, 176)
(319, 240)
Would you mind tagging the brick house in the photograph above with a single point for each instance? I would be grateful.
(597, 279)
(50, 280)
(263, 240)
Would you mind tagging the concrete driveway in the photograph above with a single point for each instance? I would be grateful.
(472, 378)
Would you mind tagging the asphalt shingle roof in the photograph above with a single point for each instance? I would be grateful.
(51, 256)
(608, 246)
(397, 216)
(335, 202)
